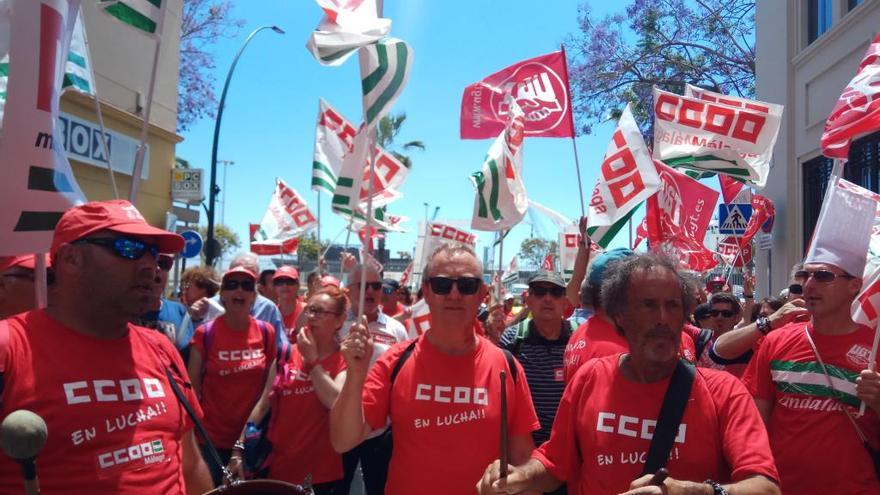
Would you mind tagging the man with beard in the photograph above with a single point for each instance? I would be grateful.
(609, 410)
(82, 366)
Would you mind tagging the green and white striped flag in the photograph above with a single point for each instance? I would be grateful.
(604, 234)
(334, 138)
(384, 71)
(146, 15)
(345, 28)
(501, 200)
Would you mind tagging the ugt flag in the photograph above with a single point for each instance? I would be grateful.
(287, 217)
(38, 184)
(385, 69)
(346, 26)
(539, 85)
(501, 200)
(857, 112)
(711, 132)
(626, 178)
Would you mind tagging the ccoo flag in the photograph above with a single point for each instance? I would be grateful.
(384, 71)
(857, 112)
(501, 200)
(287, 218)
(334, 138)
(539, 85)
(346, 26)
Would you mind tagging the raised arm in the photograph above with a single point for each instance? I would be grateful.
(580, 265)
(348, 427)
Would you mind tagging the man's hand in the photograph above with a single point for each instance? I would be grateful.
(748, 284)
(357, 348)
(348, 261)
(646, 486)
(788, 313)
(868, 388)
(491, 482)
(199, 309)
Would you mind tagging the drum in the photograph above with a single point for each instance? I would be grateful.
(260, 487)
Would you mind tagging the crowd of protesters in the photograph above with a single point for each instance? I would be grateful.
(311, 382)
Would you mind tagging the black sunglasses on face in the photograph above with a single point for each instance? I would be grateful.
(467, 286)
(285, 281)
(124, 247)
(823, 276)
(555, 292)
(246, 285)
(723, 312)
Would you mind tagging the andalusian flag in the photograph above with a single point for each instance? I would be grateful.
(146, 15)
(384, 71)
(501, 200)
(334, 138)
(346, 26)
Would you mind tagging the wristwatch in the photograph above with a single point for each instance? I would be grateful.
(763, 324)
(716, 487)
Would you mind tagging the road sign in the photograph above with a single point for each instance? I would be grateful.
(192, 244)
(765, 241)
(733, 218)
(186, 215)
(186, 185)
(729, 250)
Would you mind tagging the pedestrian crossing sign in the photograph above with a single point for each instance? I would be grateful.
(733, 218)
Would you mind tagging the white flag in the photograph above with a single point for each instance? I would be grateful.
(421, 319)
(346, 26)
(384, 72)
(562, 222)
(287, 217)
(334, 138)
(626, 178)
(501, 201)
(711, 132)
(38, 184)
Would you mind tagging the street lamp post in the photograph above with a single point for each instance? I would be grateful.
(210, 253)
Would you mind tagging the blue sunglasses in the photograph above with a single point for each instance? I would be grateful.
(124, 247)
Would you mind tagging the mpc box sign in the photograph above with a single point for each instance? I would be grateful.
(81, 141)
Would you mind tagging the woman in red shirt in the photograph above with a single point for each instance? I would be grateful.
(286, 283)
(302, 395)
(229, 363)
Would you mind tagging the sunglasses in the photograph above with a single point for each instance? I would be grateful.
(723, 312)
(310, 311)
(246, 285)
(166, 262)
(467, 286)
(555, 292)
(368, 285)
(285, 281)
(124, 247)
(823, 276)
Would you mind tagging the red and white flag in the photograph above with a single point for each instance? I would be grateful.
(547, 264)
(540, 87)
(730, 188)
(286, 219)
(346, 26)
(407, 274)
(857, 112)
(762, 210)
(421, 319)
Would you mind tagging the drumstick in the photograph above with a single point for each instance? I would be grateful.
(659, 477)
(503, 456)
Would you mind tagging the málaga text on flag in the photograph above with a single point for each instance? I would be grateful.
(334, 138)
(702, 133)
(385, 69)
(345, 27)
(539, 85)
(145, 15)
(627, 177)
(287, 217)
(857, 112)
(38, 184)
(501, 201)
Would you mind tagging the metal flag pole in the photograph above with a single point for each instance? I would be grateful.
(577, 163)
(500, 269)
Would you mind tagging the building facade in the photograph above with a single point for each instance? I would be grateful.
(807, 52)
(122, 60)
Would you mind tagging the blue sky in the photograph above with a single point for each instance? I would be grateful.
(269, 121)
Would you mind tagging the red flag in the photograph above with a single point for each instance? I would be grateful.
(540, 87)
(374, 234)
(641, 233)
(407, 274)
(857, 112)
(762, 210)
(730, 187)
(547, 265)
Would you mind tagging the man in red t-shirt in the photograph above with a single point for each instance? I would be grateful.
(444, 401)
(100, 382)
(606, 420)
(16, 284)
(808, 377)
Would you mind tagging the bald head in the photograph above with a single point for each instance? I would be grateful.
(247, 260)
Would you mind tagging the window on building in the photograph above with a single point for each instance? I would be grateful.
(854, 3)
(862, 168)
(818, 18)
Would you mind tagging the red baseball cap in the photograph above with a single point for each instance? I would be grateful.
(286, 271)
(26, 261)
(242, 270)
(116, 215)
(327, 280)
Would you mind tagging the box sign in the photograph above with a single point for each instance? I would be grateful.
(81, 141)
(186, 185)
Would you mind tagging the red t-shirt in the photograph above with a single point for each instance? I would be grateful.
(816, 447)
(602, 438)
(300, 426)
(235, 374)
(114, 422)
(290, 319)
(445, 413)
(597, 338)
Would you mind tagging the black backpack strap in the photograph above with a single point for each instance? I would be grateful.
(402, 359)
(703, 339)
(511, 364)
(674, 403)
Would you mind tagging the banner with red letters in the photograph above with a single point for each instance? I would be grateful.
(287, 218)
(540, 87)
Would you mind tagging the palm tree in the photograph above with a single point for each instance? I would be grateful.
(389, 128)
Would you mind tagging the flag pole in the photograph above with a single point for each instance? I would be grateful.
(145, 127)
(500, 268)
(318, 193)
(577, 164)
(98, 113)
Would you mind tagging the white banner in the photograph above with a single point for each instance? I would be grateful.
(287, 217)
(716, 133)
